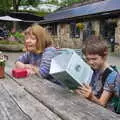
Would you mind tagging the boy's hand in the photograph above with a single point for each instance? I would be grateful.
(84, 90)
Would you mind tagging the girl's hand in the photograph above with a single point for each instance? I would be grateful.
(30, 72)
(28, 66)
(31, 69)
(85, 90)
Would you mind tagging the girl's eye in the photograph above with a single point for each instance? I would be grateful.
(33, 38)
(30, 37)
(26, 37)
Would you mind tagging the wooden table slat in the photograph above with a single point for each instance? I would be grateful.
(26, 102)
(9, 110)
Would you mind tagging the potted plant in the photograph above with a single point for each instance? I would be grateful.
(2, 65)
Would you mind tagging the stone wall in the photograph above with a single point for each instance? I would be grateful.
(96, 27)
(117, 32)
(63, 39)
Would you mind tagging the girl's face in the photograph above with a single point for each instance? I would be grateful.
(95, 61)
(30, 42)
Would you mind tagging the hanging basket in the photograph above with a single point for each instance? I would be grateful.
(80, 26)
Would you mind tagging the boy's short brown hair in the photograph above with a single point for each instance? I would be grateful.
(95, 46)
(43, 38)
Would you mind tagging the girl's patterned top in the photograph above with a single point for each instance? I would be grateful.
(42, 60)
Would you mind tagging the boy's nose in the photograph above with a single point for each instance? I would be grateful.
(91, 62)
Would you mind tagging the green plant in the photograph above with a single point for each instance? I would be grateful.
(3, 59)
(6, 42)
(2, 62)
(18, 36)
(80, 26)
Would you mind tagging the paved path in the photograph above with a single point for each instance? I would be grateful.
(114, 60)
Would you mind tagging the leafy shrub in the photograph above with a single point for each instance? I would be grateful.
(18, 36)
(9, 42)
(2, 62)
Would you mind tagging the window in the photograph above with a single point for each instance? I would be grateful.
(52, 28)
(75, 29)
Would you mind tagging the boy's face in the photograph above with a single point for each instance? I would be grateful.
(30, 43)
(95, 61)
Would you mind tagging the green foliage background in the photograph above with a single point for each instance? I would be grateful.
(5, 5)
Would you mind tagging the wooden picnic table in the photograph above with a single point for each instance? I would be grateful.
(34, 98)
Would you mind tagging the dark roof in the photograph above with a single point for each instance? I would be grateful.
(83, 2)
(98, 8)
(25, 16)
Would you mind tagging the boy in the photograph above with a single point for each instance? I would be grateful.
(102, 86)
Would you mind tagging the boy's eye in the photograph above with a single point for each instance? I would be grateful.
(93, 59)
(88, 59)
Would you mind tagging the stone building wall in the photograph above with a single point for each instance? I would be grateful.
(63, 39)
(117, 32)
(96, 27)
